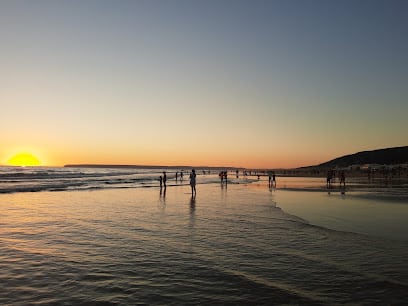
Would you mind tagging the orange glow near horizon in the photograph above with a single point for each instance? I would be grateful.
(241, 156)
(180, 159)
(148, 157)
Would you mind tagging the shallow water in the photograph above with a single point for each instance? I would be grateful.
(355, 212)
(230, 245)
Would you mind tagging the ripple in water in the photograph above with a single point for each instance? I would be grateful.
(135, 246)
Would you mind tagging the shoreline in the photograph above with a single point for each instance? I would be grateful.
(225, 240)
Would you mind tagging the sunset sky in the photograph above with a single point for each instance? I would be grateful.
(263, 84)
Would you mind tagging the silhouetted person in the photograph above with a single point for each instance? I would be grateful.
(274, 180)
(164, 179)
(181, 176)
(342, 179)
(193, 182)
(270, 179)
(329, 178)
(161, 182)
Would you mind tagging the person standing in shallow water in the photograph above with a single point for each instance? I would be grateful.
(274, 180)
(329, 179)
(164, 179)
(342, 179)
(193, 182)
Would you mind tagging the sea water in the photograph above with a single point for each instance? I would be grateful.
(230, 244)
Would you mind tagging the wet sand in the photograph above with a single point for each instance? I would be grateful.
(232, 245)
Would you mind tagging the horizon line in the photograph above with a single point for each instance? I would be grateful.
(83, 165)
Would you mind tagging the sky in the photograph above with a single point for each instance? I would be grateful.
(255, 84)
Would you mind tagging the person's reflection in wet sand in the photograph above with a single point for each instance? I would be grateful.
(192, 205)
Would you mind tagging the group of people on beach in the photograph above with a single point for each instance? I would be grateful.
(331, 175)
(163, 181)
(181, 176)
(223, 177)
(271, 179)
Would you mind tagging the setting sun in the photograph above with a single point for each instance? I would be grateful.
(24, 159)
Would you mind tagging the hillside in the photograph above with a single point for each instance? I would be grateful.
(388, 156)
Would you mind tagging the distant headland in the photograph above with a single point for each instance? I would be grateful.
(387, 156)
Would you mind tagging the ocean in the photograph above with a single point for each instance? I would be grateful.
(88, 236)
